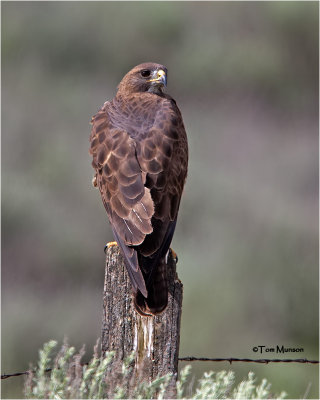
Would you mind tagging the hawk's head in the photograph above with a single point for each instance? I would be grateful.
(147, 77)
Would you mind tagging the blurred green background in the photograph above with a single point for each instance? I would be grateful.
(245, 76)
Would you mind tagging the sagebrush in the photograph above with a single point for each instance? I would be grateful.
(65, 377)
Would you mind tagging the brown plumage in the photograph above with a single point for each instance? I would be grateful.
(140, 156)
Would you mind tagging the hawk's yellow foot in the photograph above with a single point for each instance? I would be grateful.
(94, 181)
(110, 244)
(174, 255)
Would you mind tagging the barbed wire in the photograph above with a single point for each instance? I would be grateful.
(230, 360)
(6, 376)
(249, 360)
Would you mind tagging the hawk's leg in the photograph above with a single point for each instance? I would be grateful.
(109, 244)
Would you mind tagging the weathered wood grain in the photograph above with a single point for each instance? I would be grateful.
(154, 340)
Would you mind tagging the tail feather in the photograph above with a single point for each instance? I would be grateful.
(157, 288)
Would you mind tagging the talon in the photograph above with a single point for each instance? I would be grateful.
(109, 244)
(174, 255)
(94, 181)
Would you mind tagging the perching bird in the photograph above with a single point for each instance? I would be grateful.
(140, 156)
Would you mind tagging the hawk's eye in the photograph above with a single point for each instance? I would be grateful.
(145, 73)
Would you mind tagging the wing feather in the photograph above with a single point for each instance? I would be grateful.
(120, 181)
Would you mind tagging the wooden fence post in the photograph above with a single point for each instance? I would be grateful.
(154, 340)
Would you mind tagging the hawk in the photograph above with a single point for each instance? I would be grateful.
(140, 156)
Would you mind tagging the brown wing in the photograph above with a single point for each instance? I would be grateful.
(163, 155)
(120, 180)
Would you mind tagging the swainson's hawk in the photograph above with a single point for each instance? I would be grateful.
(140, 156)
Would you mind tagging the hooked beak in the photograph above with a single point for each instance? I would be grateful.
(159, 77)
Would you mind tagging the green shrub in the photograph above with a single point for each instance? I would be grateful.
(65, 377)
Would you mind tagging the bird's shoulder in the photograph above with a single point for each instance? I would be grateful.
(139, 112)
